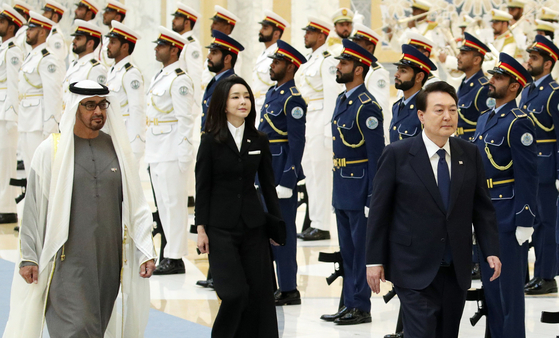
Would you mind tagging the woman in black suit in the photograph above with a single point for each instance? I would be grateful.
(229, 214)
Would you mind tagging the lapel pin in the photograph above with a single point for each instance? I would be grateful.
(113, 170)
(460, 162)
(248, 140)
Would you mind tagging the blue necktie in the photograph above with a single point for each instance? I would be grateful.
(443, 179)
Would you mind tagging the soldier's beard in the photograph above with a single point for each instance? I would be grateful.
(405, 85)
(535, 71)
(215, 67)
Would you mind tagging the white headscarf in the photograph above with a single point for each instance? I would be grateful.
(28, 301)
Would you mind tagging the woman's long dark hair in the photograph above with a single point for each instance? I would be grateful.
(216, 121)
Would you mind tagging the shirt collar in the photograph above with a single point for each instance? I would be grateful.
(538, 81)
(40, 47)
(122, 62)
(432, 148)
(217, 76)
(351, 91)
(171, 67)
(406, 101)
(234, 130)
(86, 58)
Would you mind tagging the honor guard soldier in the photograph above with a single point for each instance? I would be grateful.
(87, 38)
(413, 69)
(506, 138)
(271, 31)
(283, 120)
(11, 58)
(56, 42)
(169, 150)
(21, 36)
(127, 83)
(358, 141)
(221, 60)
(40, 89)
(223, 21)
(541, 101)
(504, 41)
(472, 93)
(115, 11)
(191, 57)
(316, 79)
(86, 10)
(547, 29)
(521, 28)
(421, 25)
(425, 46)
(377, 80)
(343, 26)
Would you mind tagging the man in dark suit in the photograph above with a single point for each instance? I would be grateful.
(223, 54)
(427, 193)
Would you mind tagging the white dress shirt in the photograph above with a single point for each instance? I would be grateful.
(237, 133)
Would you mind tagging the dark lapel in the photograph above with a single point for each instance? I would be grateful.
(505, 110)
(353, 98)
(231, 142)
(422, 167)
(458, 169)
(210, 89)
(248, 138)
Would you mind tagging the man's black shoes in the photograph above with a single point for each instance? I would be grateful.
(288, 298)
(331, 318)
(313, 234)
(170, 266)
(354, 316)
(206, 283)
(540, 286)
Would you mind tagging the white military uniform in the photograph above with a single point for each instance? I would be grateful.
(504, 43)
(126, 82)
(11, 58)
(40, 107)
(85, 68)
(57, 44)
(425, 28)
(524, 35)
(316, 79)
(334, 42)
(21, 38)
(261, 81)
(169, 152)
(377, 82)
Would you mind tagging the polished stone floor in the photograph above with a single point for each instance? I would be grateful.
(179, 296)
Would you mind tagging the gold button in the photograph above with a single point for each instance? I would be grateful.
(500, 196)
(526, 208)
(351, 174)
(261, 120)
(502, 115)
(343, 125)
(334, 138)
(539, 153)
(281, 92)
(462, 105)
(293, 167)
(471, 84)
(266, 106)
(541, 88)
(335, 122)
(203, 114)
(524, 106)
(394, 128)
(533, 110)
(204, 101)
(480, 137)
(350, 102)
(333, 169)
(411, 107)
(492, 141)
(406, 132)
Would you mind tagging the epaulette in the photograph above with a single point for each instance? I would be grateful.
(554, 85)
(431, 76)
(294, 91)
(483, 80)
(128, 66)
(508, 40)
(364, 98)
(326, 54)
(53, 31)
(432, 25)
(190, 38)
(179, 72)
(375, 66)
(94, 62)
(45, 52)
(11, 44)
(518, 112)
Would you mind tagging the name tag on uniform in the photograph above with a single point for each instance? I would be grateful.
(254, 152)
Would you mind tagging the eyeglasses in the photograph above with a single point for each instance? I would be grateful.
(91, 105)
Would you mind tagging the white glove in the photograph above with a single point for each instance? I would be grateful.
(557, 185)
(523, 234)
(366, 212)
(183, 166)
(10, 125)
(284, 192)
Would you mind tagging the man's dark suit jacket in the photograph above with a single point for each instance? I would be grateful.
(225, 191)
(407, 226)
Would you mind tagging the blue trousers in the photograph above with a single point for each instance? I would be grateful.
(286, 256)
(544, 233)
(352, 229)
(505, 295)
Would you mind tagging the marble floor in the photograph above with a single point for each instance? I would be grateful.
(179, 296)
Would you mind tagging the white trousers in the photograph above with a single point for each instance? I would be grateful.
(317, 165)
(170, 186)
(29, 142)
(8, 168)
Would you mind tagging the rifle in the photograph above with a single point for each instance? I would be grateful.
(335, 258)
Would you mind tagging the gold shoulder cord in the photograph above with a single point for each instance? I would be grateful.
(40, 86)
(360, 132)
(472, 123)
(539, 124)
(283, 133)
(493, 163)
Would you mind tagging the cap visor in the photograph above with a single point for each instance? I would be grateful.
(497, 71)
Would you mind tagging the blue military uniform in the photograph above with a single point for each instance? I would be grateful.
(358, 141)
(472, 95)
(405, 122)
(225, 43)
(507, 142)
(283, 119)
(541, 101)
